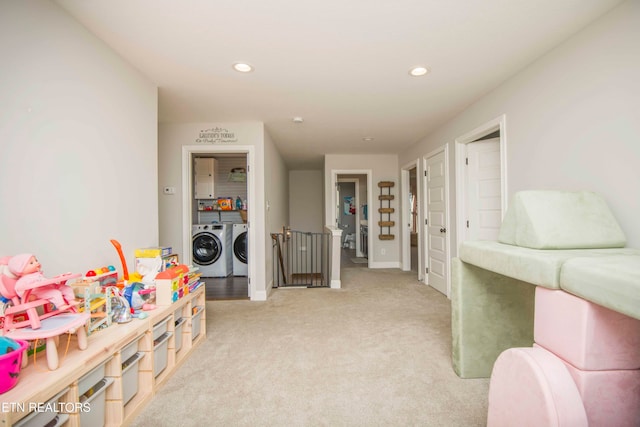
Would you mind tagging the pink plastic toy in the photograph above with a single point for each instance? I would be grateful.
(23, 320)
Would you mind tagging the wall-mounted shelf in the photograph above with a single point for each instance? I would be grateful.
(385, 211)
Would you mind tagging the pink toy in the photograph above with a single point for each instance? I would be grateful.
(31, 319)
(29, 273)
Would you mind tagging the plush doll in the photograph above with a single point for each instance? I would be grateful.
(28, 271)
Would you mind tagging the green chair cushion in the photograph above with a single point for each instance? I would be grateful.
(560, 220)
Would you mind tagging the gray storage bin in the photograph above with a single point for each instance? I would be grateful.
(160, 328)
(195, 322)
(96, 398)
(45, 418)
(130, 377)
(90, 379)
(160, 353)
(129, 350)
(178, 333)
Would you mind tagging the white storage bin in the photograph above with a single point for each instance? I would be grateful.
(160, 328)
(160, 353)
(96, 398)
(178, 333)
(45, 418)
(130, 377)
(195, 322)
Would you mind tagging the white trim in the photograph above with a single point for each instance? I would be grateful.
(336, 284)
(443, 148)
(499, 123)
(187, 212)
(405, 206)
(332, 199)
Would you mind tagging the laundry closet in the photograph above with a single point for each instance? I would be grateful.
(219, 222)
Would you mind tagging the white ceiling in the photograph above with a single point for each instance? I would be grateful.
(342, 65)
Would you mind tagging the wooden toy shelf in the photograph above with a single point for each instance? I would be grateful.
(37, 385)
(386, 211)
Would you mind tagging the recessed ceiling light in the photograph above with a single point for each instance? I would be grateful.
(297, 120)
(418, 71)
(368, 138)
(242, 67)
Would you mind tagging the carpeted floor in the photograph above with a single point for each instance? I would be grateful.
(375, 353)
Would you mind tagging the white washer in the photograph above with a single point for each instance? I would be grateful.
(211, 246)
(240, 250)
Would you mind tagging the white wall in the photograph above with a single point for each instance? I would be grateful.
(305, 200)
(78, 131)
(276, 187)
(268, 177)
(572, 119)
(384, 167)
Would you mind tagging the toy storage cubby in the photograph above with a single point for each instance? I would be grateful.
(118, 365)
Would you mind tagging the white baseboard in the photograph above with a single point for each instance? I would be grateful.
(387, 264)
(336, 283)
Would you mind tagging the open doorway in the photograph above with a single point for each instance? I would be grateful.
(351, 199)
(481, 188)
(410, 219)
(217, 195)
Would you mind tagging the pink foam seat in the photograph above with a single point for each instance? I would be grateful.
(587, 335)
(532, 387)
(610, 398)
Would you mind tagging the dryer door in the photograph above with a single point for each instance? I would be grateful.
(207, 248)
(240, 247)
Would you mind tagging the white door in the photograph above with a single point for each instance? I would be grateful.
(436, 222)
(484, 194)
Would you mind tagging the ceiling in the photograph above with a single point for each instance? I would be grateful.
(341, 65)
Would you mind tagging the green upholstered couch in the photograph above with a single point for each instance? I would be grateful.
(556, 239)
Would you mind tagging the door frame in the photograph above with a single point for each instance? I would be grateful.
(424, 227)
(333, 198)
(497, 124)
(187, 197)
(405, 185)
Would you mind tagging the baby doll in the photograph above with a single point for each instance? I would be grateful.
(27, 269)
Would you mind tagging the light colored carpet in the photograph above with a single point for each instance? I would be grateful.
(375, 353)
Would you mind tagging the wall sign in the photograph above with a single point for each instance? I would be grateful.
(216, 135)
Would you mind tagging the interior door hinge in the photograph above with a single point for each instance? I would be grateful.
(466, 161)
(426, 270)
(426, 222)
(467, 223)
(425, 173)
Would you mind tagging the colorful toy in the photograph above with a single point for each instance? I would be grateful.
(125, 270)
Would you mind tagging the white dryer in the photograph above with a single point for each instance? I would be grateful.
(240, 248)
(211, 244)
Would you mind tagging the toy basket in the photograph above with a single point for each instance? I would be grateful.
(10, 362)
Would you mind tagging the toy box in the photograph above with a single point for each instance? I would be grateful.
(170, 284)
(161, 251)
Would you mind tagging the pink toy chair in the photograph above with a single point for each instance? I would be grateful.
(26, 319)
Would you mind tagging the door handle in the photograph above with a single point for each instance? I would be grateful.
(443, 230)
